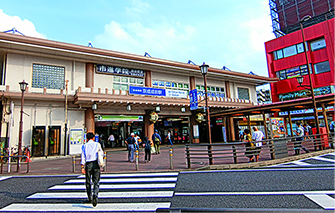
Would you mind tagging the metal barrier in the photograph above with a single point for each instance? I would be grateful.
(23, 157)
(234, 152)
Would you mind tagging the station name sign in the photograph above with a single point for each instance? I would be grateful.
(106, 69)
(134, 90)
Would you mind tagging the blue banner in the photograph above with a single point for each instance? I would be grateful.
(133, 90)
(193, 99)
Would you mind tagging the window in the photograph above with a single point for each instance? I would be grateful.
(211, 91)
(122, 83)
(300, 48)
(281, 75)
(243, 93)
(322, 67)
(279, 54)
(318, 44)
(289, 51)
(50, 77)
(292, 72)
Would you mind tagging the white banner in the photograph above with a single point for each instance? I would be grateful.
(176, 93)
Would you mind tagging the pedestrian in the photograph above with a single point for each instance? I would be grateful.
(249, 145)
(156, 138)
(241, 134)
(137, 141)
(130, 142)
(300, 133)
(306, 128)
(168, 138)
(257, 136)
(111, 140)
(147, 149)
(332, 126)
(91, 168)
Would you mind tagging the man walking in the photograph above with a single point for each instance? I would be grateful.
(90, 167)
(257, 136)
(300, 133)
(156, 138)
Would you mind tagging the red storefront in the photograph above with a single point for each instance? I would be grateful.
(287, 60)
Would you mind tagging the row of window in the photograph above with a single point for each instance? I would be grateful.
(302, 70)
(52, 77)
(298, 48)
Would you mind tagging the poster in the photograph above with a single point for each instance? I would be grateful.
(278, 127)
(195, 131)
(76, 141)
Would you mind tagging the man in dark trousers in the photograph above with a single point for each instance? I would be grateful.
(156, 138)
(90, 167)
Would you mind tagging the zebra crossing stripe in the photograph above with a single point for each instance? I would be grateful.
(101, 207)
(301, 163)
(323, 159)
(5, 177)
(83, 195)
(323, 200)
(115, 186)
(158, 174)
(127, 180)
(253, 193)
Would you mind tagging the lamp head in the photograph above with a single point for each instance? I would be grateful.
(204, 68)
(23, 86)
(94, 106)
(300, 79)
(158, 108)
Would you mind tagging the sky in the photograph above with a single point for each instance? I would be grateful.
(220, 33)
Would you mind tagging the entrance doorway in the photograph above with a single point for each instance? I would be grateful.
(179, 127)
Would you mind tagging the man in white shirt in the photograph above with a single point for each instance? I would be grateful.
(90, 167)
(257, 136)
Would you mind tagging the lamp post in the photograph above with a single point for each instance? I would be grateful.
(23, 87)
(204, 70)
(301, 79)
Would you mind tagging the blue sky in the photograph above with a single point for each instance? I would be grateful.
(221, 33)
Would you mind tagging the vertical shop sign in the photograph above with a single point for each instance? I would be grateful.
(224, 134)
(195, 131)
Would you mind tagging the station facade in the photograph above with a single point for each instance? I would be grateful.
(74, 89)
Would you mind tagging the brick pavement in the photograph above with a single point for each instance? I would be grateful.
(117, 162)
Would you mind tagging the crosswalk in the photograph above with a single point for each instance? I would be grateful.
(118, 193)
(326, 160)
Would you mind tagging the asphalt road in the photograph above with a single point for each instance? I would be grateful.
(306, 187)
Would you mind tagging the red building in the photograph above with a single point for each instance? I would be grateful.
(287, 60)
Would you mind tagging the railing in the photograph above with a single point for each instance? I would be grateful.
(234, 152)
(3, 161)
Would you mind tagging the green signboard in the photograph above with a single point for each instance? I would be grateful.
(118, 118)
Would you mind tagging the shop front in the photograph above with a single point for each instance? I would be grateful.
(177, 125)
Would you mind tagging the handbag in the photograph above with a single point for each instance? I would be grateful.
(153, 150)
(101, 161)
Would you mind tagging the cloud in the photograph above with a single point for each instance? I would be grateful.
(161, 40)
(25, 26)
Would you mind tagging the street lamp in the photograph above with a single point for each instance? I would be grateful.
(300, 79)
(23, 87)
(204, 70)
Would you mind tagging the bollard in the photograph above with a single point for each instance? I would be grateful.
(234, 154)
(28, 166)
(73, 163)
(136, 159)
(188, 157)
(171, 154)
(105, 160)
(1, 164)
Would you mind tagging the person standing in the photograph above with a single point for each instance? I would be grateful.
(130, 141)
(168, 138)
(249, 145)
(90, 167)
(156, 138)
(300, 133)
(257, 136)
(147, 148)
(111, 140)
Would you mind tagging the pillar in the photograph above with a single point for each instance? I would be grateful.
(89, 120)
(89, 75)
(148, 125)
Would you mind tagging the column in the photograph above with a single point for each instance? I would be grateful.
(89, 120)
(148, 125)
(89, 75)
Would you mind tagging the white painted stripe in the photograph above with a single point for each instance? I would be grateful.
(159, 174)
(103, 207)
(300, 163)
(115, 186)
(83, 195)
(324, 159)
(253, 193)
(127, 180)
(5, 177)
(333, 153)
(323, 200)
